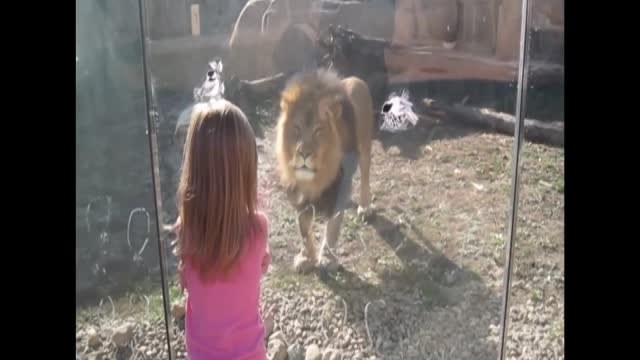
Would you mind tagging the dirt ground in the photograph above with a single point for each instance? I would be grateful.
(434, 251)
(423, 278)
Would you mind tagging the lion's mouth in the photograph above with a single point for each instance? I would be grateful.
(305, 173)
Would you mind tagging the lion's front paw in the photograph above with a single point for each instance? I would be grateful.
(365, 213)
(303, 263)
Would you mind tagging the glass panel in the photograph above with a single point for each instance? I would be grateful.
(420, 271)
(119, 311)
(536, 312)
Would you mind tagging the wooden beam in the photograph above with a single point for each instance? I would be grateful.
(550, 133)
(354, 54)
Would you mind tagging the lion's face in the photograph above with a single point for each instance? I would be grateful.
(306, 135)
(309, 147)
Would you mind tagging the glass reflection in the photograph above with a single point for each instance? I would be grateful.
(118, 288)
(422, 276)
(536, 313)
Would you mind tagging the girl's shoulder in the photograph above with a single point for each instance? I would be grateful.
(259, 231)
(262, 222)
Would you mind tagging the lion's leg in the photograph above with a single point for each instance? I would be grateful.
(307, 258)
(329, 242)
(364, 206)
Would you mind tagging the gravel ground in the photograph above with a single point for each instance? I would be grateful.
(422, 279)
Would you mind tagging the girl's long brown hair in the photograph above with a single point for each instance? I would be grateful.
(218, 189)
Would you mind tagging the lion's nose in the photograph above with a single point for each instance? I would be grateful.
(305, 154)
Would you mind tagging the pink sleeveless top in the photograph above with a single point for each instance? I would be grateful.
(223, 317)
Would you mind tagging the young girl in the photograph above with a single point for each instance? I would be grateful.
(222, 238)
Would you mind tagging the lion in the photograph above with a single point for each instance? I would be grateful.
(324, 133)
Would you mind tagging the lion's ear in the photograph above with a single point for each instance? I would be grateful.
(284, 105)
(289, 96)
(330, 106)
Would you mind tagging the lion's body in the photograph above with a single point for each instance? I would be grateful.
(325, 129)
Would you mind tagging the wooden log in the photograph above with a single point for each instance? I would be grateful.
(550, 133)
(380, 62)
(254, 91)
(428, 64)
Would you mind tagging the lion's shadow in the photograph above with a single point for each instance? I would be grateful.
(424, 269)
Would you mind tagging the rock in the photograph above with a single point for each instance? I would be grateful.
(346, 341)
(450, 277)
(268, 323)
(313, 353)
(122, 335)
(295, 352)
(177, 311)
(276, 350)
(331, 354)
(379, 343)
(394, 151)
(93, 340)
(96, 356)
(180, 324)
(278, 335)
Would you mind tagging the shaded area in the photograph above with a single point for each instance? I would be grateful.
(426, 281)
(113, 170)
